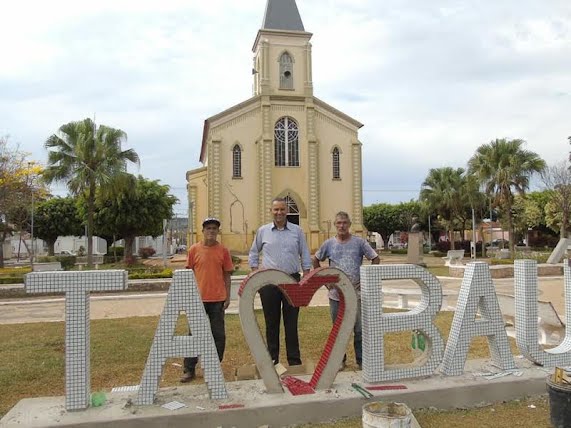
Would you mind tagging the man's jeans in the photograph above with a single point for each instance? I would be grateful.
(215, 312)
(357, 331)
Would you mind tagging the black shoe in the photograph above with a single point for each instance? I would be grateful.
(188, 376)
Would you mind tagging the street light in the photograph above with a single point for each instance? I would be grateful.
(32, 222)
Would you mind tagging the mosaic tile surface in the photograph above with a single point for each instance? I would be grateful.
(526, 316)
(376, 323)
(183, 297)
(477, 294)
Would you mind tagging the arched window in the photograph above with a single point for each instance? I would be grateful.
(236, 162)
(335, 163)
(286, 135)
(286, 71)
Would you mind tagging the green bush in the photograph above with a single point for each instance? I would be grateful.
(501, 261)
(15, 271)
(118, 251)
(12, 279)
(399, 251)
(165, 273)
(110, 258)
(534, 255)
(67, 262)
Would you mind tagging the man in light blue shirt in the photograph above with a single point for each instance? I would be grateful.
(345, 251)
(282, 245)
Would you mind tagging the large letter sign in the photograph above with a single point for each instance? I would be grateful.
(376, 324)
(299, 294)
(526, 316)
(183, 296)
(477, 292)
(76, 286)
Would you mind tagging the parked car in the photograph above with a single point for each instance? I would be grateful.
(67, 253)
(499, 243)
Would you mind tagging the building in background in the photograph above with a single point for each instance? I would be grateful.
(282, 142)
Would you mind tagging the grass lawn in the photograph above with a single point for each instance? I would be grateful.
(498, 415)
(32, 355)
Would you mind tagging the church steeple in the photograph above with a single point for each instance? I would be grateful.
(282, 15)
(282, 52)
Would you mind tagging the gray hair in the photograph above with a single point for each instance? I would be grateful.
(343, 215)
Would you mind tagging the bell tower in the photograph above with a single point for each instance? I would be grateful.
(282, 52)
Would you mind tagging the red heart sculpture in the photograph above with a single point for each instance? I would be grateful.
(299, 294)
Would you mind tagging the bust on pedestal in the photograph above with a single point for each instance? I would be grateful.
(415, 244)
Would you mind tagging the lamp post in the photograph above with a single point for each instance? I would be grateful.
(429, 234)
(32, 220)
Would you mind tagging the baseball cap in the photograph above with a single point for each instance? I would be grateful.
(211, 220)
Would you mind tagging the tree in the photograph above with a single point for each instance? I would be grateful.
(557, 179)
(382, 218)
(408, 211)
(87, 158)
(441, 191)
(138, 211)
(57, 217)
(503, 166)
(526, 214)
(17, 176)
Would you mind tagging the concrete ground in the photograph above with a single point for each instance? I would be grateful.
(251, 406)
(14, 311)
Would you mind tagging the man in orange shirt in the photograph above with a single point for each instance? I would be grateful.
(212, 267)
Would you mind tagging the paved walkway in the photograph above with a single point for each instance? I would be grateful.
(151, 304)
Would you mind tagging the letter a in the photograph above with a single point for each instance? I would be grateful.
(477, 292)
(183, 296)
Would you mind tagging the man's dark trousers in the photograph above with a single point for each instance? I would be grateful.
(215, 312)
(274, 303)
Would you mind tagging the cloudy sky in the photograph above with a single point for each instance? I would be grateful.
(431, 81)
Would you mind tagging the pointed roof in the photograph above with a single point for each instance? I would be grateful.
(282, 15)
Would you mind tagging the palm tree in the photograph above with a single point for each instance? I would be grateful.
(86, 157)
(503, 165)
(442, 193)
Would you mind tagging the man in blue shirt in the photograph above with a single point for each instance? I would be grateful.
(345, 251)
(283, 245)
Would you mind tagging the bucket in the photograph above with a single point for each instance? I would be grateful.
(386, 415)
(559, 403)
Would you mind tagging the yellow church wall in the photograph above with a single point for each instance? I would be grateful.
(238, 195)
(331, 134)
(197, 192)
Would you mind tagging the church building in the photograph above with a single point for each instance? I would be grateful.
(282, 142)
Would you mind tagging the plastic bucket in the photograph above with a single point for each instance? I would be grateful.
(386, 415)
(559, 403)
